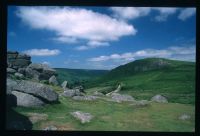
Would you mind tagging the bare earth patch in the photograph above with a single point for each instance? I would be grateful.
(36, 117)
(62, 127)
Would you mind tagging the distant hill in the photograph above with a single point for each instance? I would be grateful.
(78, 76)
(147, 77)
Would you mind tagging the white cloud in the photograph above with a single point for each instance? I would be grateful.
(72, 24)
(130, 12)
(186, 13)
(164, 13)
(63, 39)
(92, 45)
(42, 52)
(46, 63)
(179, 53)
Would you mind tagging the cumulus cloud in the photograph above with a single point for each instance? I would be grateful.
(130, 12)
(72, 24)
(176, 52)
(186, 13)
(92, 45)
(164, 13)
(42, 52)
(46, 63)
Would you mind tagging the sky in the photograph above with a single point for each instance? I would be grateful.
(101, 37)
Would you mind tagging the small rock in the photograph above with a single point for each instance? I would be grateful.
(96, 93)
(53, 80)
(10, 70)
(83, 117)
(50, 128)
(64, 85)
(184, 117)
(119, 97)
(159, 98)
(36, 117)
(85, 98)
(18, 75)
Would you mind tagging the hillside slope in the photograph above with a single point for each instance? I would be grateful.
(78, 76)
(146, 77)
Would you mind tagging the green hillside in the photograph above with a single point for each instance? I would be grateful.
(146, 77)
(78, 76)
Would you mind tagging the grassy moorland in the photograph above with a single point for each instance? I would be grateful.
(142, 80)
(111, 116)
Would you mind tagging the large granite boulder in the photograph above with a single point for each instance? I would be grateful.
(10, 84)
(37, 89)
(30, 73)
(159, 98)
(53, 80)
(27, 100)
(19, 75)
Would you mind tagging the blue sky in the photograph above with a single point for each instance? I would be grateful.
(101, 37)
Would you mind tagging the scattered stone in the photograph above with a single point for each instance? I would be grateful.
(159, 98)
(27, 100)
(18, 75)
(120, 98)
(10, 71)
(53, 80)
(72, 92)
(51, 128)
(184, 117)
(96, 93)
(36, 89)
(64, 85)
(85, 98)
(83, 117)
(36, 117)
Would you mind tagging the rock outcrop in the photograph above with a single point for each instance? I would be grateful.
(16, 60)
(31, 94)
(53, 80)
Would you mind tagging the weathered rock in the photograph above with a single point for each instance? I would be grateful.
(30, 73)
(53, 80)
(27, 100)
(22, 71)
(16, 60)
(120, 98)
(41, 71)
(50, 128)
(19, 75)
(85, 98)
(72, 92)
(37, 89)
(83, 117)
(64, 85)
(96, 93)
(10, 71)
(159, 98)
(10, 84)
(185, 117)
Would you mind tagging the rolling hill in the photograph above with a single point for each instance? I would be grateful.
(78, 76)
(146, 77)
